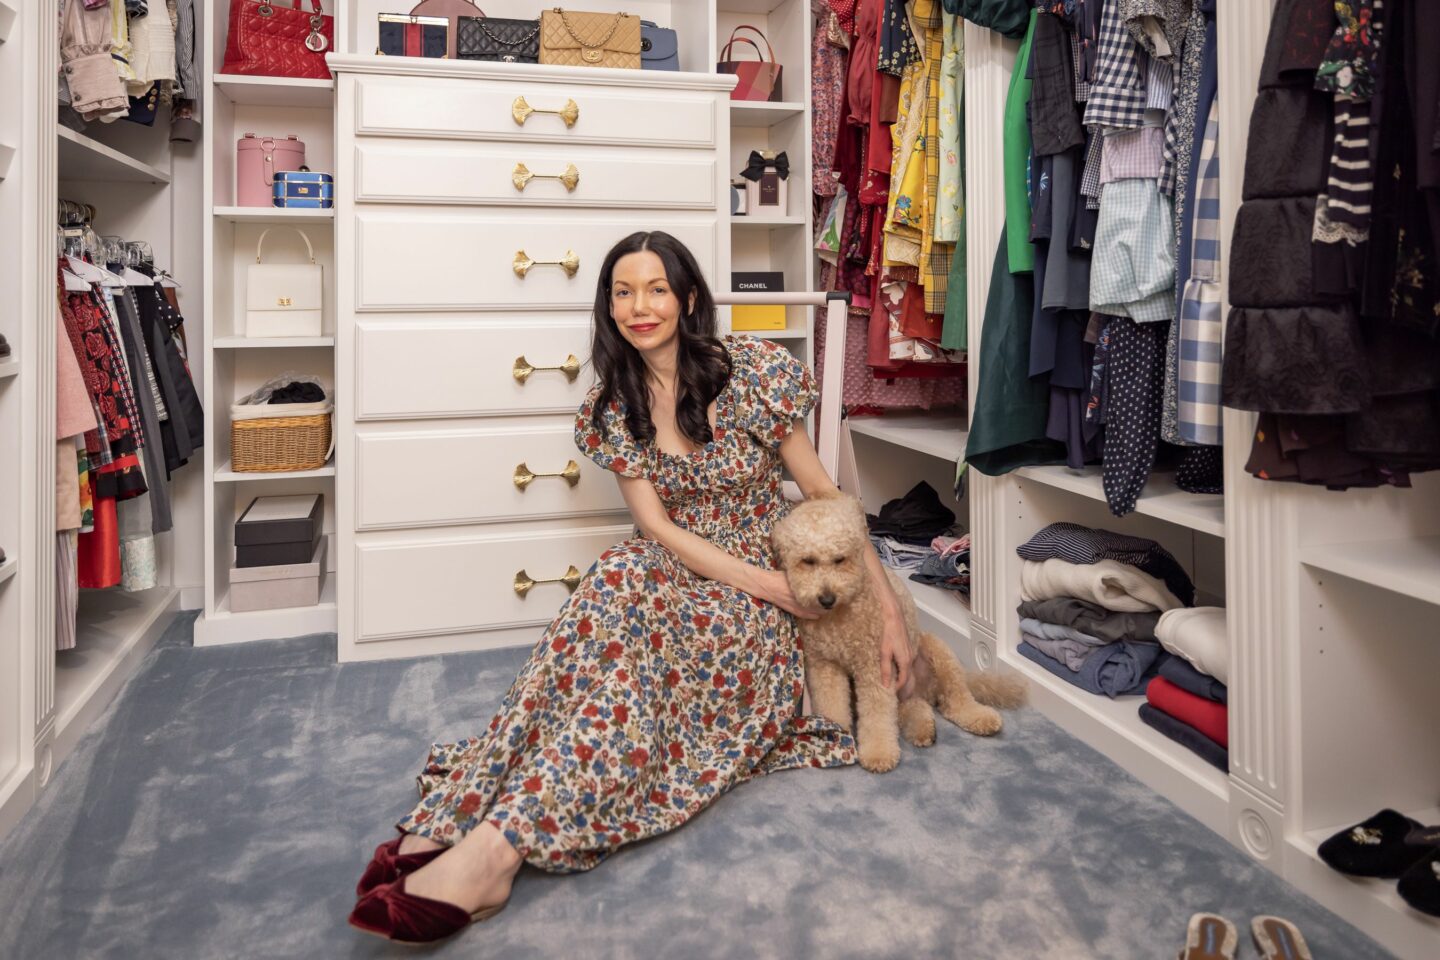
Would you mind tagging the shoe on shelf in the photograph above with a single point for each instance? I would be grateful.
(1278, 939)
(1379, 847)
(1210, 937)
(4, 347)
(389, 864)
(1420, 885)
(389, 912)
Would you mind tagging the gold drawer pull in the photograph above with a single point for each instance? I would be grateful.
(521, 111)
(523, 368)
(570, 263)
(522, 175)
(523, 582)
(524, 476)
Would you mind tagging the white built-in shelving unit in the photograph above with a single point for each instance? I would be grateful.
(276, 107)
(1329, 597)
(129, 174)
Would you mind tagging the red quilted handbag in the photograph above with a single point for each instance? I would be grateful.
(268, 40)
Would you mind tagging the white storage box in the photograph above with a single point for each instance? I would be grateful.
(286, 585)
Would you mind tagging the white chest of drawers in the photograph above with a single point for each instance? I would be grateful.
(459, 366)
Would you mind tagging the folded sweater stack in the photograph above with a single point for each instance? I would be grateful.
(1187, 701)
(1091, 604)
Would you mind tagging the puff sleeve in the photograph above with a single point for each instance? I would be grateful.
(611, 447)
(777, 388)
(85, 56)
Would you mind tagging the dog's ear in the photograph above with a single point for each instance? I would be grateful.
(780, 539)
(831, 494)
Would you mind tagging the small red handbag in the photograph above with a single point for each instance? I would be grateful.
(268, 40)
(759, 79)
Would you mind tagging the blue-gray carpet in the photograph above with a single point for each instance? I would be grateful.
(226, 803)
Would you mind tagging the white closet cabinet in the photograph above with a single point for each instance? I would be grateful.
(470, 229)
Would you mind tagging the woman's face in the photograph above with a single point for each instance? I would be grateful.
(645, 308)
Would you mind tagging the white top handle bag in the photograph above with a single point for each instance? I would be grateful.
(284, 299)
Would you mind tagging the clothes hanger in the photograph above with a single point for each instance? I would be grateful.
(130, 275)
(74, 284)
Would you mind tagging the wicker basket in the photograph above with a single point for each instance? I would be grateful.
(279, 444)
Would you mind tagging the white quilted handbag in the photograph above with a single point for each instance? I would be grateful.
(284, 299)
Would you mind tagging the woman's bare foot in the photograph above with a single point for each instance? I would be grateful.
(413, 843)
(475, 873)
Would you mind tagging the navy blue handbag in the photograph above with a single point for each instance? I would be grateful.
(659, 47)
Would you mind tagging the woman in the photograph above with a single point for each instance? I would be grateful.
(673, 672)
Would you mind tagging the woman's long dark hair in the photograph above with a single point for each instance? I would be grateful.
(702, 366)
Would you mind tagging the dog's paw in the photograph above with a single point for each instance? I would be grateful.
(880, 759)
(974, 718)
(922, 738)
(917, 722)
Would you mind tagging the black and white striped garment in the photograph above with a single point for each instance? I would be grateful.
(1076, 544)
(1342, 212)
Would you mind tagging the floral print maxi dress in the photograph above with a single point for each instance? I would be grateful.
(655, 690)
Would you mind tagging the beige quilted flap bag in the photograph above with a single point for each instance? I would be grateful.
(572, 39)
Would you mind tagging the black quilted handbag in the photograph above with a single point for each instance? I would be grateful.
(497, 38)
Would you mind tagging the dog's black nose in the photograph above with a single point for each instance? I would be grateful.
(827, 600)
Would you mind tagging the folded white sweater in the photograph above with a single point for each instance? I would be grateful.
(1197, 634)
(1113, 585)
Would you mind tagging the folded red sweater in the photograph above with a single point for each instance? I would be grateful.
(1206, 716)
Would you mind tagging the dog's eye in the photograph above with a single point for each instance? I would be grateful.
(808, 562)
(839, 560)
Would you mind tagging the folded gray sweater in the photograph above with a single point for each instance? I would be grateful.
(1092, 619)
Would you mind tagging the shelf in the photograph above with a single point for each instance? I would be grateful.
(114, 630)
(9, 568)
(1372, 905)
(9, 367)
(274, 215)
(750, 6)
(937, 435)
(765, 223)
(773, 334)
(1161, 499)
(82, 158)
(755, 113)
(1410, 568)
(1114, 728)
(271, 343)
(944, 606)
(225, 475)
(275, 91)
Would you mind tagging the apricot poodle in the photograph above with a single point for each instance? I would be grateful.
(820, 547)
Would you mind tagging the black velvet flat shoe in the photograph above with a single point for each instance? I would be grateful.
(1419, 886)
(1379, 847)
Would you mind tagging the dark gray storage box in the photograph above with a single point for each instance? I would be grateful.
(274, 531)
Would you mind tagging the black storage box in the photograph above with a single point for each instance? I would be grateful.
(279, 530)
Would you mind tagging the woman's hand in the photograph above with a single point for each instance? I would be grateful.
(773, 586)
(894, 651)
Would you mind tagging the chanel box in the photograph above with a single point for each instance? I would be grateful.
(757, 316)
(279, 530)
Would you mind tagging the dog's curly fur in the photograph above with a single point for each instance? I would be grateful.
(821, 548)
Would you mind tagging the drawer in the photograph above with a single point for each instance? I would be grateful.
(469, 368)
(524, 175)
(427, 478)
(431, 587)
(476, 109)
(418, 260)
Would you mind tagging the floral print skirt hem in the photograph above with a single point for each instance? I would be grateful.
(653, 693)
